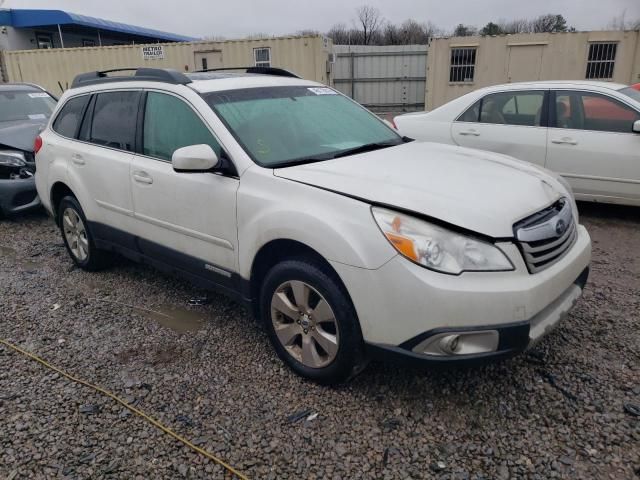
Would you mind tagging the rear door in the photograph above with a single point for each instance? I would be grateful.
(592, 145)
(511, 122)
(187, 220)
(101, 159)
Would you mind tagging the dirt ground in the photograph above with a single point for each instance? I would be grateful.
(564, 410)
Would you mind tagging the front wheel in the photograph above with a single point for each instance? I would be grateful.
(311, 321)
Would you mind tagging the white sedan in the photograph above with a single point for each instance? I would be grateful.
(588, 132)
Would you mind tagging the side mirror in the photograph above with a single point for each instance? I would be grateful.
(636, 127)
(194, 159)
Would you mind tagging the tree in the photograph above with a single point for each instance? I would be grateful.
(465, 30)
(549, 23)
(339, 33)
(520, 25)
(370, 20)
(307, 32)
(491, 29)
(621, 23)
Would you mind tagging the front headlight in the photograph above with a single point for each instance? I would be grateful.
(438, 248)
(10, 158)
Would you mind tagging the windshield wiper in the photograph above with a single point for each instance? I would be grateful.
(367, 147)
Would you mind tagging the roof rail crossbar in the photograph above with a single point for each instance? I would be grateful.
(165, 75)
(280, 72)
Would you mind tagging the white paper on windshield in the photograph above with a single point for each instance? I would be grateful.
(322, 91)
(38, 116)
(39, 95)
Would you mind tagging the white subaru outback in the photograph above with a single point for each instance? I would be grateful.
(346, 239)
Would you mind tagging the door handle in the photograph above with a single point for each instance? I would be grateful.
(469, 132)
(77, 159)
(142, 177)
(564, 141)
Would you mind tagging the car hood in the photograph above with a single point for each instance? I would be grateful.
(21, 134)
(480, 191)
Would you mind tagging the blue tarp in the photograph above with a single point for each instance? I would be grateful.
(41, 18)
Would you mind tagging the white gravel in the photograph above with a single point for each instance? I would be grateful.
(557, 412)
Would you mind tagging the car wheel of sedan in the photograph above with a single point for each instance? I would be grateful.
(311, 321)
(77, 237)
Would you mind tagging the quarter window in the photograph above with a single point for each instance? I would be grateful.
(592, 111)
(114, 120)
(601, 60)
(170, 124)
(508, 108)
(463, 65)
(70, 116)
(262, 57)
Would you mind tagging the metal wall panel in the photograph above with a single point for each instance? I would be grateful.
(55, 69)
(383, 78)
(532, 56)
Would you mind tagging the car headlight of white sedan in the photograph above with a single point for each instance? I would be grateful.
(438, 248)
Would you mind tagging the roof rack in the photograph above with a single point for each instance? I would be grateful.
(166, 75)
(279, 72)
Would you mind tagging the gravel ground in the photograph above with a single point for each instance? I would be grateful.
(209, 373)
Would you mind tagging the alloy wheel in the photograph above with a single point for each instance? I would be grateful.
(305, 324)
(75, 234)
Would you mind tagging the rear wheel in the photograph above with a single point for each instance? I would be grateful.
(311, 321)
(77, 237)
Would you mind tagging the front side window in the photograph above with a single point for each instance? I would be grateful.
(601, 60)
(114, 120)
(592, 111)
(280, 126)
(24, 105)
(510, 108)
(262, 57)
(170, 124)
(463, 65)
(68, 120)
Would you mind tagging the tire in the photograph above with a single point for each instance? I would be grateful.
(77, 237)
(322, 341)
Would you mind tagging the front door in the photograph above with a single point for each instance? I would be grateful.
(208, 59)
(512, 123)
(186, 220)
(591, 143)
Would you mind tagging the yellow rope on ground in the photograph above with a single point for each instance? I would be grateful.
(140, 413)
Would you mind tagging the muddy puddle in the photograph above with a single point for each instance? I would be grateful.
(12, 254)
(179, 320)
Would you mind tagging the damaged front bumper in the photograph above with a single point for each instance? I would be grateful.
(18, 195)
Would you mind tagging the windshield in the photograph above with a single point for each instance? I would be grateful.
(631, 92)
(283, 126)
(25, 105)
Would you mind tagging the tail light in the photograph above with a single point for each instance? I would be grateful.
(393, 122)
(37, 145)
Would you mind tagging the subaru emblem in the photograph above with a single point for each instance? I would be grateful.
(561, 227)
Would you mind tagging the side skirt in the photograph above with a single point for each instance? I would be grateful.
(197, 271)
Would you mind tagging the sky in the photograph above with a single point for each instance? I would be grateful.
(237, 18)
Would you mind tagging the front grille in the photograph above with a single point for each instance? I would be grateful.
(546, 236)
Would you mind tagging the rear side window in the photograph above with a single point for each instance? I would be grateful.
(472, 114)
(513, 108)
(170, 124)
(70, 116)
(114, 120)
